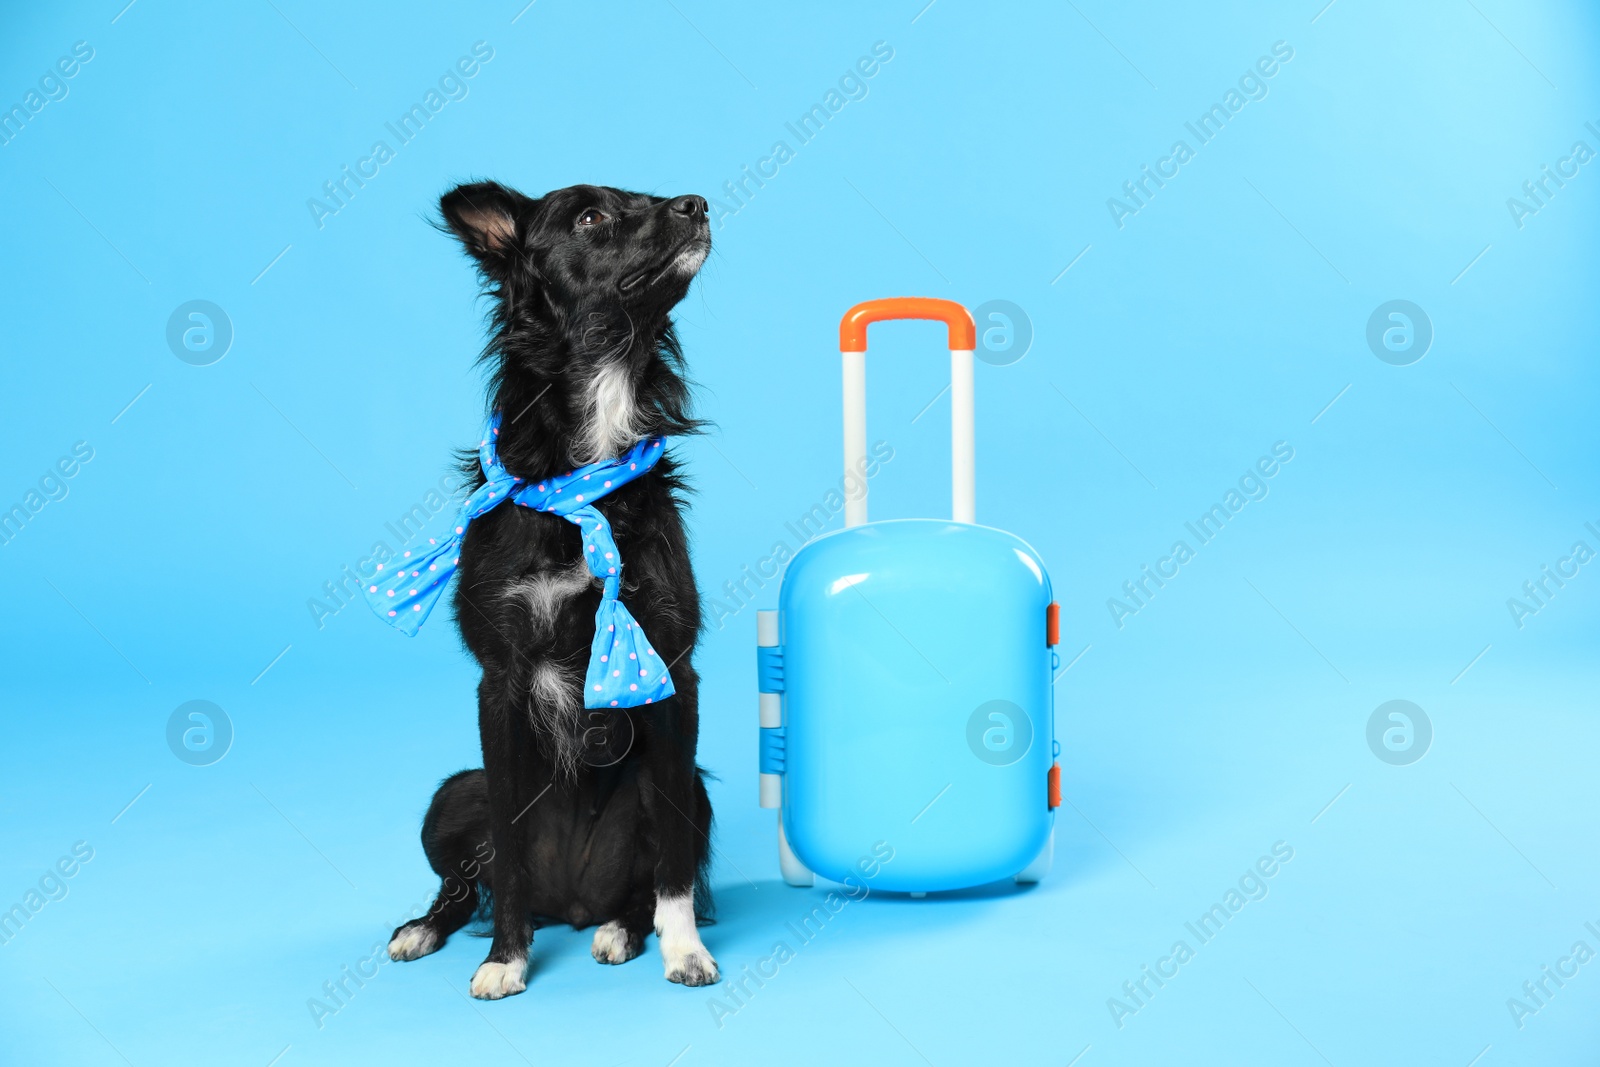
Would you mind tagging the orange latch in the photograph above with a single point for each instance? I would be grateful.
(1055, 785)
(1052, 624)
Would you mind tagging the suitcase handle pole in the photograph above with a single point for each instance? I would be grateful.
(853, 346)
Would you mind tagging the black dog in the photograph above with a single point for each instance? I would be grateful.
(578, 816)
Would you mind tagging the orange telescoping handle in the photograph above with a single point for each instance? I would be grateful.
(853, 327)
(853, 348)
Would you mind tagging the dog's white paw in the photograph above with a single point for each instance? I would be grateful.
(687, 961)
(495, 980)
(613, 944)
(692, 966)
(413, 941)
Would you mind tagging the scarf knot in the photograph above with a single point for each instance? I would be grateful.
(624, 670)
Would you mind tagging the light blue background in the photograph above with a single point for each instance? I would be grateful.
(1224, 317)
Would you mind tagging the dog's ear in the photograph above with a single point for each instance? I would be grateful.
(483, 215)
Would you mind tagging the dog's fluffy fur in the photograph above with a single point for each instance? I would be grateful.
(582, 817)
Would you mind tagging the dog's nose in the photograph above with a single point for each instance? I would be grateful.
(690, 206)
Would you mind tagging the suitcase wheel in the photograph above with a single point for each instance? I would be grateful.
(1040, 866)
(795, 873)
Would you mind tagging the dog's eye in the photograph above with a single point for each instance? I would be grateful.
(591, 217)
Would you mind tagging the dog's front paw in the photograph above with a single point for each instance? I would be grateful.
(413, 941)
(495, 980)
(691, 967)
(614, 944)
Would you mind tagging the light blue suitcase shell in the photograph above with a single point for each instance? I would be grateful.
(907, 705)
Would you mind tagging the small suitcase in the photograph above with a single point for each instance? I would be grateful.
(906, 699)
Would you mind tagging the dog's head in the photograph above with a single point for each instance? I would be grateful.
(585, 279)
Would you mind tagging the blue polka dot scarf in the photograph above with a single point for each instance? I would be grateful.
(624, 669)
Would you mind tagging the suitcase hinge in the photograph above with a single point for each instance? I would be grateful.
(769, 680)
(769, 669)
(772, 750)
